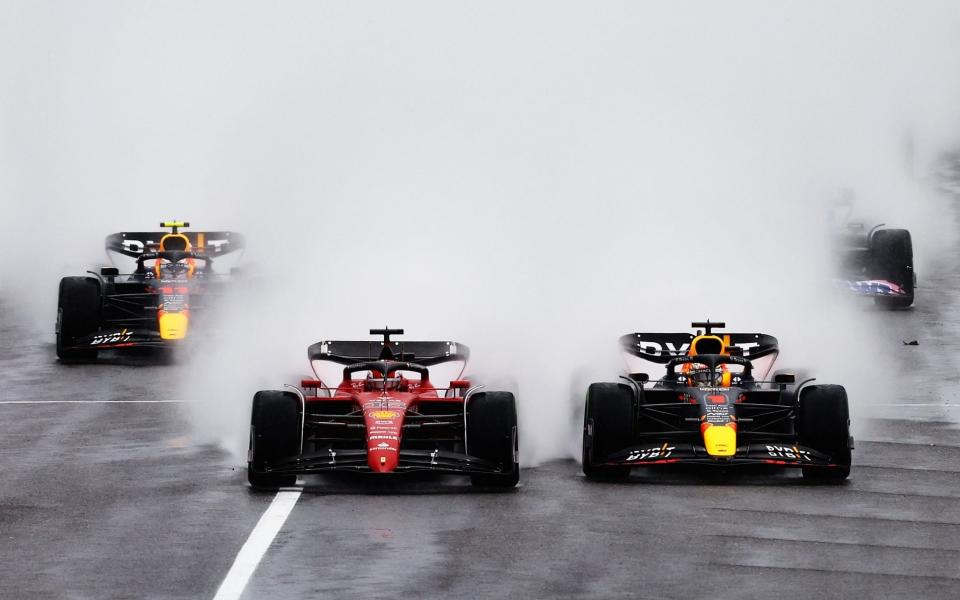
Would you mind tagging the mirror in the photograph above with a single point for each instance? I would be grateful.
(784, 378)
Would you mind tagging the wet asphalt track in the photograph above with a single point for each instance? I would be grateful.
(113, 501)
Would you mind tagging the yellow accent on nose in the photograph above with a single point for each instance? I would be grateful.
(173, 326)
(720, 440)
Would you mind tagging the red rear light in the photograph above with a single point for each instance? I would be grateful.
(460, 384)
(311, 383)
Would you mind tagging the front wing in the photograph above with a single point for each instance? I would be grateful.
(438, 461)
(121, 338)
(667, 453)
(873, 288)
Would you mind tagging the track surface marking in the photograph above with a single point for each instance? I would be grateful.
(91, 401)
(256, 545)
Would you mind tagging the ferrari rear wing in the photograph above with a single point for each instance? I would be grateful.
(207, 243)
(661, 347)
(421, 353)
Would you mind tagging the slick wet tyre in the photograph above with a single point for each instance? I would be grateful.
(492, 436)
(274, 434)
(824, 425)
(608, 426)
(892, 260)
(78, 315)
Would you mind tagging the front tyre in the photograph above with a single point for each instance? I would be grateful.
(492, 436)
(78, 315)
(892, 260)
(824, 425)
(607, 427)
(274, 434)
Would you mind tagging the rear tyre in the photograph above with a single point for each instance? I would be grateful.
(607, 427)
(824, 425)
(492, 436)
(274, 434)
(78, 315)
(892, 259)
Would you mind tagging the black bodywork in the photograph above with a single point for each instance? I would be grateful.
(127, 304)
(667, 420)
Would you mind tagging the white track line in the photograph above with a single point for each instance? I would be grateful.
(256, 545)
(926, 404)
(91, 401)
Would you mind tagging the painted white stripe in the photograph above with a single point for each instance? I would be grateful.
(91, 401)
(908, 404)
(256, 545)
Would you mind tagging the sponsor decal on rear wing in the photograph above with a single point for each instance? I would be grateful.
(208, 243)
(661, 347)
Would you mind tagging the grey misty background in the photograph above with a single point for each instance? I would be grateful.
(532, 179)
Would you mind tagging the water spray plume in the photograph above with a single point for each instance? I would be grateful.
(532, 181)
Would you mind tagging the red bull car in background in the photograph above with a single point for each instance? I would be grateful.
(875, 262)
(173, 278)
(713, 406)
(383, 407)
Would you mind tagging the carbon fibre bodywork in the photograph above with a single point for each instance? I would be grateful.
(714, 409)
(152, 306)
(130, 307)
(671, 420)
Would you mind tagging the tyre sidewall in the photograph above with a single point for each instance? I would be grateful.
(491, 428)
(891, 259)
(823, 422)
(274, 427)
(79, 305)
(609, 416)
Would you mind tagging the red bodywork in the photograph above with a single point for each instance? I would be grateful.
(383, 414)
(385, 405)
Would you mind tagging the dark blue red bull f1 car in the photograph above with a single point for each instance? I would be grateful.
(713, 406)
(172, 279)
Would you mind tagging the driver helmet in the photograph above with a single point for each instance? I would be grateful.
(175, 242)
(382, 384)
(700, 374)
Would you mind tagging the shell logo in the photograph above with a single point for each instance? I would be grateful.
(384, 414)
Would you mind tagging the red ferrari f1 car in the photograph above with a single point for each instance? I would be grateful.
(713, 407)
(384, 414)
